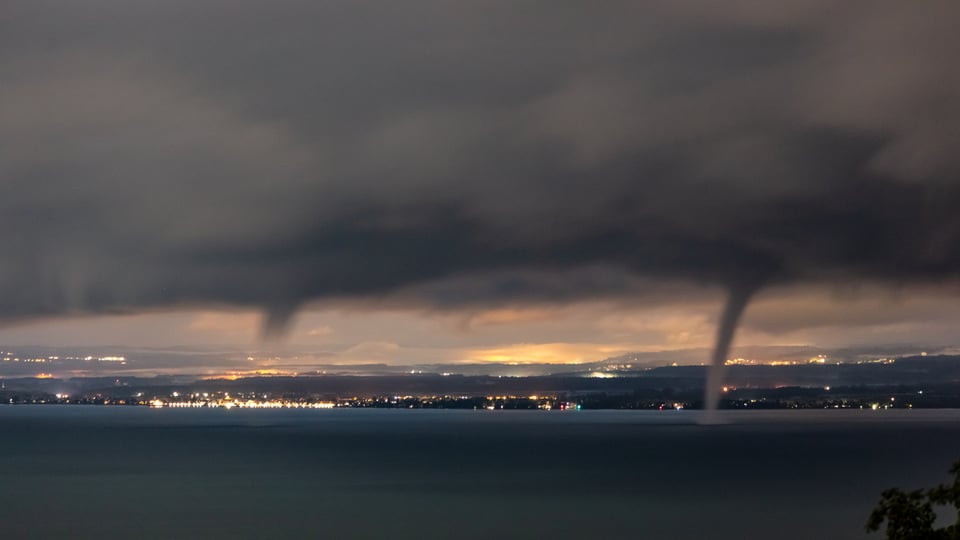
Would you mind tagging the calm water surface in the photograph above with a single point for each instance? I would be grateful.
(109, 472)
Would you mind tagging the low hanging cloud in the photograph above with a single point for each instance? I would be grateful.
(238, 153)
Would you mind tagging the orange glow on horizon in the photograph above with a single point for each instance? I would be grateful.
(234, 375)
(548, 353)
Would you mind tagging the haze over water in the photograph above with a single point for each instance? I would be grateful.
(87, 472)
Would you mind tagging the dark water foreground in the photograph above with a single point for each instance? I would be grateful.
(112, 472)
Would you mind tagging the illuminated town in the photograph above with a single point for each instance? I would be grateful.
(816, 381)
(227, 400)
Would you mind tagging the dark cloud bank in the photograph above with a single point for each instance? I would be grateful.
(448, 153)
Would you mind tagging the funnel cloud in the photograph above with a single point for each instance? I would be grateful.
(737, 300)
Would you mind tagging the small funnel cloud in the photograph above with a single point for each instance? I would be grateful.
(738, 297)
(277, 320)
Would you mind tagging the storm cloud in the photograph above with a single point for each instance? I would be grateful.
(269, 154)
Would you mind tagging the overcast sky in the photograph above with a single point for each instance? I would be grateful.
(478, 180)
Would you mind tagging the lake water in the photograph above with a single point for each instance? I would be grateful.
(107, 472)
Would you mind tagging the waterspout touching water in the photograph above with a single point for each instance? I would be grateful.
(737, 300)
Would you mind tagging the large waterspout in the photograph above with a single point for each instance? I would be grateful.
(737, 300)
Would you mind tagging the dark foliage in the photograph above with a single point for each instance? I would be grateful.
(911, 516)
